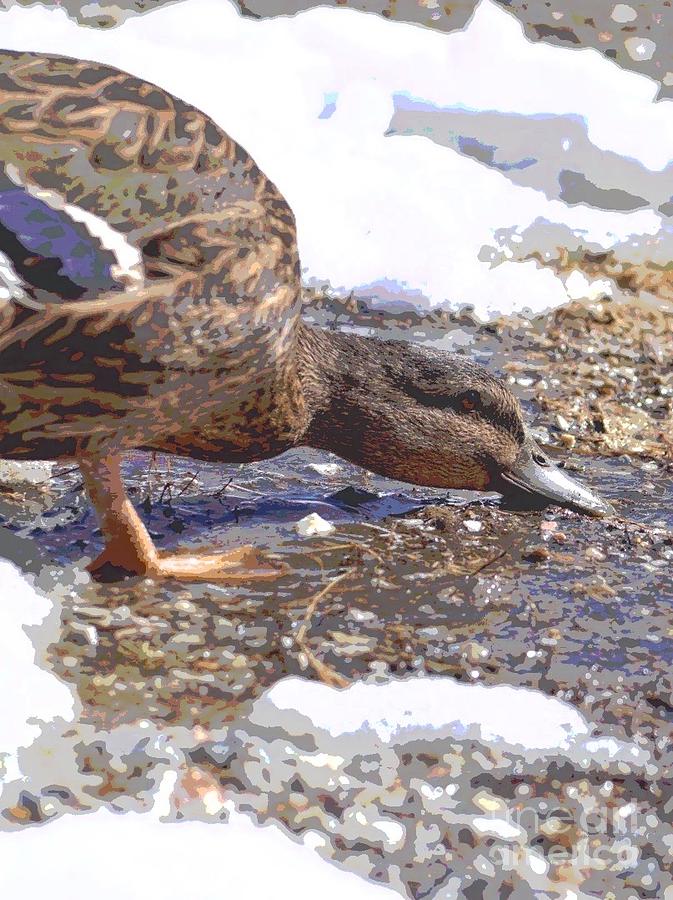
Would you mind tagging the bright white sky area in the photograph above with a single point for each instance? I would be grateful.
(402, 212)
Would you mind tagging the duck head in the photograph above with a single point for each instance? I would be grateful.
(427, 417)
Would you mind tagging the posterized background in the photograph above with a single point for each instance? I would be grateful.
(492, 178)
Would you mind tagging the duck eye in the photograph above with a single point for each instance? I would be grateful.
(540, 459)
(470, 400)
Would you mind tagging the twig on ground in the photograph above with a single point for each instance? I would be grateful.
(353, 544)
(486, 563)
(323, 671)
(379, 528)
(191, 481)
(315, 600)
(64, 472)
(326, 674)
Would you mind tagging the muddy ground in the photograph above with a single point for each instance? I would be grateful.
(411, 578)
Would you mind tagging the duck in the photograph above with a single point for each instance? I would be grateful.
(153, 300)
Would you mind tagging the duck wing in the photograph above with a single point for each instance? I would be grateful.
(98, 169)
(158, 186)
(48, 254)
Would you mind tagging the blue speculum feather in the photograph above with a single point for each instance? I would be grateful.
(49, 250)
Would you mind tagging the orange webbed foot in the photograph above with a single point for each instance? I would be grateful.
(243, 565)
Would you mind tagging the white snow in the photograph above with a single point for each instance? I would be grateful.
(136, 856)
(178, 861)
(402, 215)
(400, 710)
(30, 696)
(13, 473)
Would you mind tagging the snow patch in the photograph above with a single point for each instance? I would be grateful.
(433, 708)
(31, 696)
(375, 213)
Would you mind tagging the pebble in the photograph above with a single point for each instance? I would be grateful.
(350, 644)
(594, 554)
(623, 13)
(640, 48)
(121, 616)
(79, 633)
(435, 633)
(488, 803)
(360, 615)
(536, 554)
(185, 606)
(473, 525)
(475, 653)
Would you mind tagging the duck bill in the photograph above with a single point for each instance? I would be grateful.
(546, 481)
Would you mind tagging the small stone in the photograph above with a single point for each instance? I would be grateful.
(19, 813)
(488, 803)
(350, 644)
(475, 653)
(639, 48)
(435, 633)
(553, 827)
(360, 615)
(121, 616)
(594, 554)
(313, 524)
(93, 612)
(79, 633)
(207, 678)
(562, 423)
(567, 441)
(186, 638)
(537, 554)
(185, 606)
(552, 637)
(473, 525)
(623, 13)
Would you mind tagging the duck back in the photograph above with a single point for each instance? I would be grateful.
(154, 267)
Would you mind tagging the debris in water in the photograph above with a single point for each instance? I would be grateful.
(312, 525)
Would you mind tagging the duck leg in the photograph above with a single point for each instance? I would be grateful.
(129, 549)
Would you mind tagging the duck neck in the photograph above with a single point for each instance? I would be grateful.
(351, 405)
